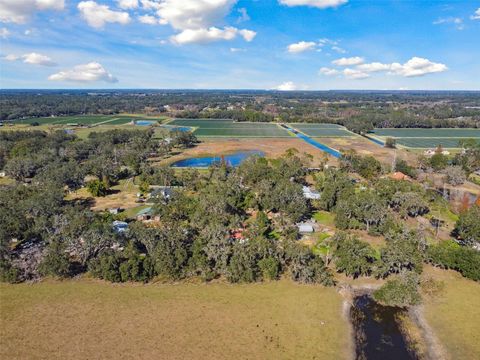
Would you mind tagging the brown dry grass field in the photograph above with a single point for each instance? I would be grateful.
(88, 319)
(272, 148)
(454, 314)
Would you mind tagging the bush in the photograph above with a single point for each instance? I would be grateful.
(55, 262)
(402, 291)
(269, 268)
(97, 188)
(450, 255)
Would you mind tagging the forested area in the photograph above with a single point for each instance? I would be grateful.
(237, 224)
(358, 111)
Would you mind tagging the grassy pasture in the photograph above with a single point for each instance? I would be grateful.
(427, 143)
(454, 314)
(87, 319)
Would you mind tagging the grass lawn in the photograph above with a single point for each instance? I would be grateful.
(324, 218)
(454, 314)
(88, 319)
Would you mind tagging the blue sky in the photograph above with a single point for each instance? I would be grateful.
(246, 44)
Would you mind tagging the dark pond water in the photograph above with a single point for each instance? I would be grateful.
(377, 333)
(231, 160)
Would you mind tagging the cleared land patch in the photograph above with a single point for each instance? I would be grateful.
(230, 128)
(428, 138)
(322, 130)
(88, 319)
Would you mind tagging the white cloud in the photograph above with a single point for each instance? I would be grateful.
(4, 33)
(476, 16)
(90, 72)
(19, 11)
(328, 71)
(97, 15)
(243, 15)
(127, 4)
(417, 66)
(356, 60)
(194, 14)
(11, 57)
(235, 50)
(355, 74)
(202, 36)
(301, 47)
(286, 86)
(338, 49)
(32, 58)
(149, 20)
(458, 22)
(374, 67)
(197, 20)
(321, 4)
(38, 59)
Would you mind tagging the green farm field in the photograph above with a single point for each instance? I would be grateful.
(230, 128)
(87, 319)
(119, 119)
(428, 138)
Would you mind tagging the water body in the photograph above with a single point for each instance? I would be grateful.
(315, 143)
(204, 162)
(377, 333)
(376, 141)
(177, 128)
(145, 122)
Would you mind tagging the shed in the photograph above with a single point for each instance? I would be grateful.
(119, 226)
(305, 228)
(310, 194)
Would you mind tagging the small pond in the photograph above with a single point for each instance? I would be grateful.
(231, 160)
(145, 122)
(377, 333)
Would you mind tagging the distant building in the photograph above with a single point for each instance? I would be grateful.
(163, 192)
(305, 228)
(119, 226)
(114, 211)
(310, 194)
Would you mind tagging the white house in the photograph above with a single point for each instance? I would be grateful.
(119, 226)
(305, 228)
(310, 194)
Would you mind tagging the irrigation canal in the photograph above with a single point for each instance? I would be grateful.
(313, 142)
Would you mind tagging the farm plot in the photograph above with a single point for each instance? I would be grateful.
(428, 133)
(64, 120)
(322, 130)
(230, 128)
(428, 138)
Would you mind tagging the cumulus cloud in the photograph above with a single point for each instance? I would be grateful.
(193, 14)
(356, 60)
(328, 71)
(286, 86)
(355, 74)
(235, 50)
(476, 16)
(149, 20)
(97, 15)
(374, 67)
(32, 58)
(19, 11)
(4, 33)
(417, 66)
(458, 22)
(197, 20)
(38, 59)
(90, 72)
(321, 4)
(338, 49)
(202, 36)
(301, 47)
(127, 4)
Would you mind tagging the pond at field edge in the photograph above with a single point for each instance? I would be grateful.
(377, 332)
(234, 159)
